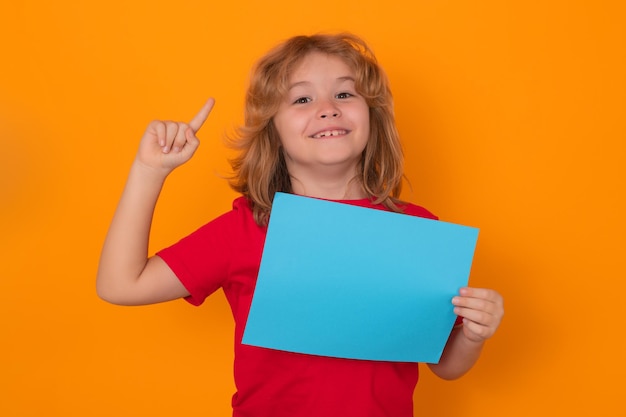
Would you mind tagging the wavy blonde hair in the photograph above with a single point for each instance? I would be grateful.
(259, 170)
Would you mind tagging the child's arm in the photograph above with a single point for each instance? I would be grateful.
(482, 310)
(125, 274)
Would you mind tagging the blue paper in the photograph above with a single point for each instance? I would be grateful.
(353, 282)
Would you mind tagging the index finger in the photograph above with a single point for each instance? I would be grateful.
(482, 293)
(198, 120)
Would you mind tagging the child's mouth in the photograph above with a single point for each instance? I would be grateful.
(329, 133)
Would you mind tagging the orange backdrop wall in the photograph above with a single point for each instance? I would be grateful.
(512, 115)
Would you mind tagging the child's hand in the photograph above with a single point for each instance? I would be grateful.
(482, 310)
(166, 145)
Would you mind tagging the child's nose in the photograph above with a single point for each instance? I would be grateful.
(329, 109)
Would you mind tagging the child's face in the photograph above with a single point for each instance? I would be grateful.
(322, 122)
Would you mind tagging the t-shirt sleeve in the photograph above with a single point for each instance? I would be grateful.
(419, 211)
(201, 260)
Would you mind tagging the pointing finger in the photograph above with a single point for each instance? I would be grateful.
(199, 119)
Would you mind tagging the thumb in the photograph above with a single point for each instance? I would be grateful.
(191, 137)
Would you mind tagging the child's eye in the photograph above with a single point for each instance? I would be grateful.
(344, 95)
(302, 100)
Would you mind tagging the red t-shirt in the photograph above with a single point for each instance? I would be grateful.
(226, 253)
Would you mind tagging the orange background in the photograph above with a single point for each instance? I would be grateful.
(512, 114)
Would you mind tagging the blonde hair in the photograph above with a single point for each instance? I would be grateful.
(259, 170)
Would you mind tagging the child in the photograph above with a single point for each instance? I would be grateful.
(318, 122)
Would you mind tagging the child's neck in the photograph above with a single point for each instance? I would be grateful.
(353, 190)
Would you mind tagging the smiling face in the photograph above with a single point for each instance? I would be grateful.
(322, 121)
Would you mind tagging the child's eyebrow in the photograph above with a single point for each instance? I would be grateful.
(306, 83)
(346, 78)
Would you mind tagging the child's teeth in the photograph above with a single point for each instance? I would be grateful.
(328, 133)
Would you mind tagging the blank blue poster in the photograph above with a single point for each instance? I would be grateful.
(352, 282)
